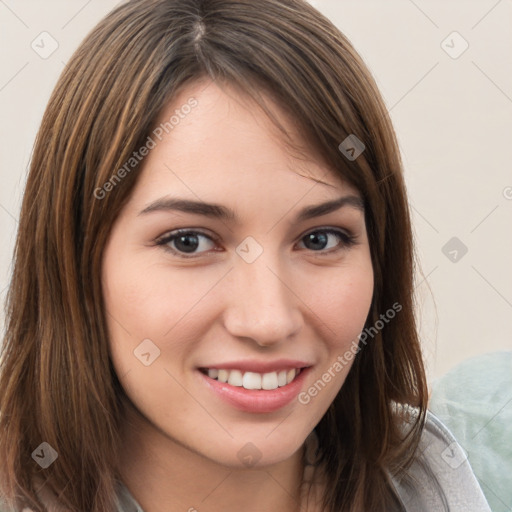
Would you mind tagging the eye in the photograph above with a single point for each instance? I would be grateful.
(183, 242)
(187, 243)
(322, 239)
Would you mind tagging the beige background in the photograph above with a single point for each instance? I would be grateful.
(452, 114)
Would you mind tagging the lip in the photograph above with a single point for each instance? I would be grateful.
(256, 400)
(260, 366)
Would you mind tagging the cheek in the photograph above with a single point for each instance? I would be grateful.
(342, 302)
(341, 306)
(146, 298)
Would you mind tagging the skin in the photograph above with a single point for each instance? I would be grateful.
(293, 301)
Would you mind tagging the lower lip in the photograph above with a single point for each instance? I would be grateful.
(256, 400)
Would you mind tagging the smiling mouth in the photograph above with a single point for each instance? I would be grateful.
(253, 380)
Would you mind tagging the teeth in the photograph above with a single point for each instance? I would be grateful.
(235, 378)
(253, 380)
(269, 381)
(223, 376)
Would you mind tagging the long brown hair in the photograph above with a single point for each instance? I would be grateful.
(57, 383)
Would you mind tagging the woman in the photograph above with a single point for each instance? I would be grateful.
(211, 304)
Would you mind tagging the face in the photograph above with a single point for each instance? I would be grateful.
(232, 296)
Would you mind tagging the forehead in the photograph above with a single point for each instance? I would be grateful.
(212, 136)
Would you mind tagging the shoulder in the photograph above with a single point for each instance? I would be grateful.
(440, 477)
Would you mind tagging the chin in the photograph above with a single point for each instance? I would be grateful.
(257, 450)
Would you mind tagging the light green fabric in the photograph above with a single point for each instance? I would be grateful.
(474, 400)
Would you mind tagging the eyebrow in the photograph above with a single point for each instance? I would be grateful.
(218, 211)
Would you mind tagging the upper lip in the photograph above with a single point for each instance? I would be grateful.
(248, 365)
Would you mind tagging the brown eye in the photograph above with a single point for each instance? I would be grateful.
(322, 239)
(186, 242)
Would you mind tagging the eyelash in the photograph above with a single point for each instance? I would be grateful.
(347, 241)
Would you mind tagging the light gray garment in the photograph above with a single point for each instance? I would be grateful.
(440, 458)
(441, 461)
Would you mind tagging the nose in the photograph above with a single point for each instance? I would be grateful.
(262, 305)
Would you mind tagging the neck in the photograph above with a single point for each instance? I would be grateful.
(166, 476)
